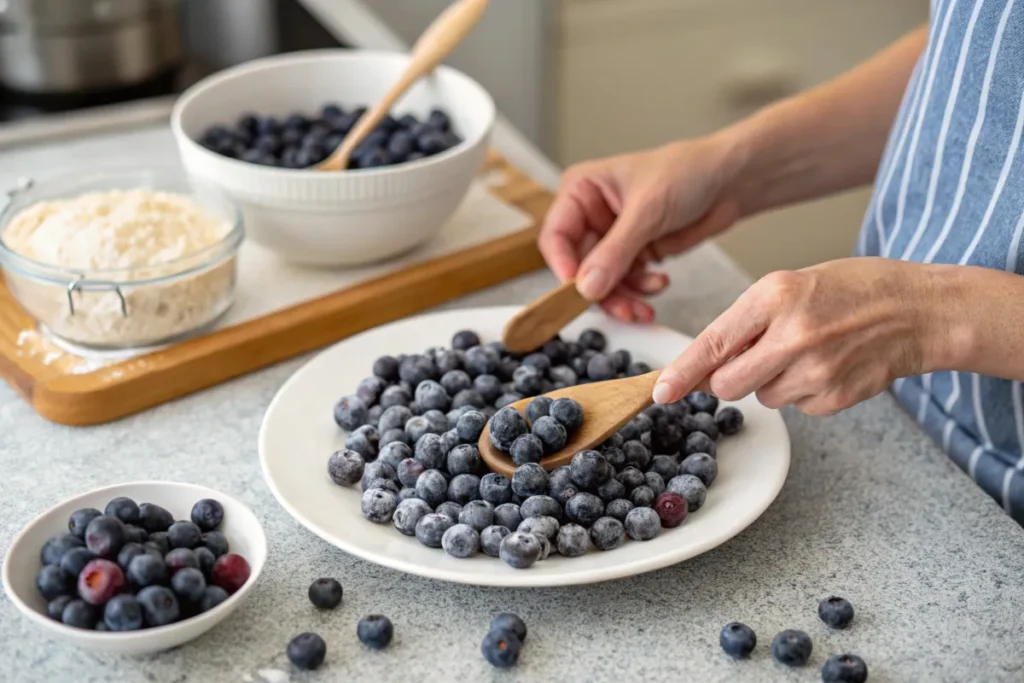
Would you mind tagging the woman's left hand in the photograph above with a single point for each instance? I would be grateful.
(823, 338)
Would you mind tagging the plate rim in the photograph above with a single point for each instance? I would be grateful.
(540, 580)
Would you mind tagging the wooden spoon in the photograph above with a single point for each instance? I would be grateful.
(543, 319)
(607, 406)
(436, 43)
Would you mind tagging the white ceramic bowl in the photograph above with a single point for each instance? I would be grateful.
(346, 217)
(22, 563)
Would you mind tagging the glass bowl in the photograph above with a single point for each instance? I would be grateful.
(128, 307)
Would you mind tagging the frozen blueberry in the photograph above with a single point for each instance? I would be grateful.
(395, 396)
(159, 606)
(345, 467)
(189, 584)
(542, 526)
(584, 508)
(699, 442)
(702, 466)
(540, 506)
(642, 496)
(642, 524)
(478, 514)
(835, 612)
(508, 515)
(378, 505)
(572, 540)
(416, 368)
(527, 448)
(600, 368)
(500, 648)
(665, 466)
(470, 426)
(491, 538)
(691, 488)
(537, 408)
(589, 469)
(666, 437)
(52, 582)
(464, 488)
(631, 478)
(529, 479)
(729, 420)
(464, 459)
(78, 521)
(527, 380)
(618, 509)
(430, 529)
(461, 540)
(125, 509)
(701, 422)
(495, 488)
(430, 452)
(568, 412)
(454, 414)
(350, 413)
(432, 396)
(450, 509)
(634, 454)
(507, 425)
(738, 640)
(408, 514)
(671, 509)
(507, 399)
(560, 485)
(216, 543)
(702, 402)
(488, 386)
(375, 631)
(455, 381)
(551, 433)
(377, 470)
(592, 339)
(369, 389)
(791, 647)
(360, 442)
(564, 375)
(104, 536)
(545, 546)
(432, 487)
(520, 550)
(395, 417)
(437, 420)
(307, 651)
(845, 668)
(386, 367)
(655, 482)
(607, 533)
(409, 471)
(611, 490)
(465, 340)
(394, 454)
(481, 360)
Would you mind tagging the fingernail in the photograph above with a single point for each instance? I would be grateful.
(652, 282)
(593, 285)
(662, 392)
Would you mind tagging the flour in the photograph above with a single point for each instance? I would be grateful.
(123, 237)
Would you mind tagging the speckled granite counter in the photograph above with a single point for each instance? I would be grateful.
(871, 511)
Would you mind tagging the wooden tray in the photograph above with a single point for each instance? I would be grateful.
(68, 396)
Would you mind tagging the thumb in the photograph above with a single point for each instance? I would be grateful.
(611, 259)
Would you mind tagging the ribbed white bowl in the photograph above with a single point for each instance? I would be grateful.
(346, 217)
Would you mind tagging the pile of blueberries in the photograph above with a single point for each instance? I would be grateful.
(415, 423)
(300, 141)
(133, 566)
(792, 647)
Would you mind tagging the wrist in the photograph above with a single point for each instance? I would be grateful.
(947, 331)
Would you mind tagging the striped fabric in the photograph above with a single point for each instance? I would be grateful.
(950, 189)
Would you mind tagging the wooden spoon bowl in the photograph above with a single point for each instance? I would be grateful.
(607, 406)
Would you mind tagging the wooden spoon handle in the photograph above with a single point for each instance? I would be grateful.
(544, 318)
(436, 43)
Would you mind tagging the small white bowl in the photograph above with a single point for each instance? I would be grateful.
(22, 563)
(341, 218)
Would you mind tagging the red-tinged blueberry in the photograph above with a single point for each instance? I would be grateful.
(835, 612)
(55, 548)
(180, 558)
(99, 581)
(124, 508)
(325, 593)
(79, 614)
(501, 648)
(738, 640)
(159, 606)
(52, 582)
(845, 668)
(671, 508)
(123, 613)
(146, 569)
(74, 561)
(207, 514)
(80, 519)
(212, 596)
(154, 518)
(105, 535)
(375, 631)
(188, 584)
(55, 607)
(230, 572)
(791, 647)
(307, 651)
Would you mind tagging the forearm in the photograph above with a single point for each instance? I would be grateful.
(826, 140)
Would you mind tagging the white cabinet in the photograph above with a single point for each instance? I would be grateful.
(640, 73)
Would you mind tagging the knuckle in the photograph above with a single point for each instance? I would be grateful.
(780, 285)
(715, 347)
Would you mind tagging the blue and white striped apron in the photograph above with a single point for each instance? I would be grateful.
(950, 189)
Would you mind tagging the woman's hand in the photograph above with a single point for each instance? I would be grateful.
(823, 338)
(614, 217)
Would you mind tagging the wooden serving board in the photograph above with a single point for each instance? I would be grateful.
(61, 392)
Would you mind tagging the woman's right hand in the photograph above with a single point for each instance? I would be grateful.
(614, 217)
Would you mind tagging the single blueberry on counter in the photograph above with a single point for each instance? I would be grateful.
(501, 648)
(791, 647)
(835, 612)
(738, 640)
(845, 668)
(375, 631)
(307, 651)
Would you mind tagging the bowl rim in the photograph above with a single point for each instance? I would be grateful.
(147, 633)
(218, 78)
(202, 259)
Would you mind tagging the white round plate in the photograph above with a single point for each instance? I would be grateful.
(299, 434)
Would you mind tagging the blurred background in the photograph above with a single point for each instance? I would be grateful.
(580, 78)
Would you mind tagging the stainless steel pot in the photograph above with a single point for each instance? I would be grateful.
(83, 46)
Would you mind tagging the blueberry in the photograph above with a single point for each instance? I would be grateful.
(416, 368)
(372, 157)
(216, 543)
(461, 540)
(835, 612)
(432, 143)
(584, 508)
(432, 487)
(464, 459)
(430, 529)
(666, 437)
(401, 145)
(386, 367)
(189, 584)
(408, 514)
(180, 558)
(159, 606)
(572, 540)
(212, 596)
(437, 421)
(520, 550)
(702, 402)
(375, 631)
(307, 651)
(378, 505)
(631, 477)
(564, 375)
(491, 538)
(495, 488)
(589, 469)
(350, 413)
(507, 399)
(455, 381)
(99, 581)
(613, 441)
(642, 524)
(465, 340)
(135, 534)
(691, 488)
(560, 484)
(738, 640)
(55, 548)
(370, 389)
(579, 368)
(325, 593)
(537, 408)
(184, 535)
(507, 372)
(677, 411)
(618, 509)
(80, 614)
(500, 648)
(146, 569)
(592, 339)
(665, 466)
(529, 479)
(394, 454)
(729, 421)
(377, 470)
(699, 442)
(612, 489)
(527, 381)
(481, 360)
(395, 396)
(439, 120)
(74, 560)
(506, 621)
(55, 607)
(600, 368)
(205, 558)
(345, 467)
(642, 496)
(568, 412)
(527, 448)
(541, 506)
(464, 488)
(701, 422)
(702, 466)
(607, 533)
(79, 520)
(125, 509)
(844, 668)
(508, 515)
(432, 396)
(409, 471)
(52, 582)
(541, 526)
(417, 428)
(470, 426)
(655, 482)
(637, 368)
(791, 647)
(158, 541)
(104, 536)
(551, 433)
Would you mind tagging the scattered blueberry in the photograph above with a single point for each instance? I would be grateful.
(791, 647)
(738, 640)
(835, 612)
(501, 648)
(844, 668)
(307, 651)
(375, 631)
(325, 593)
